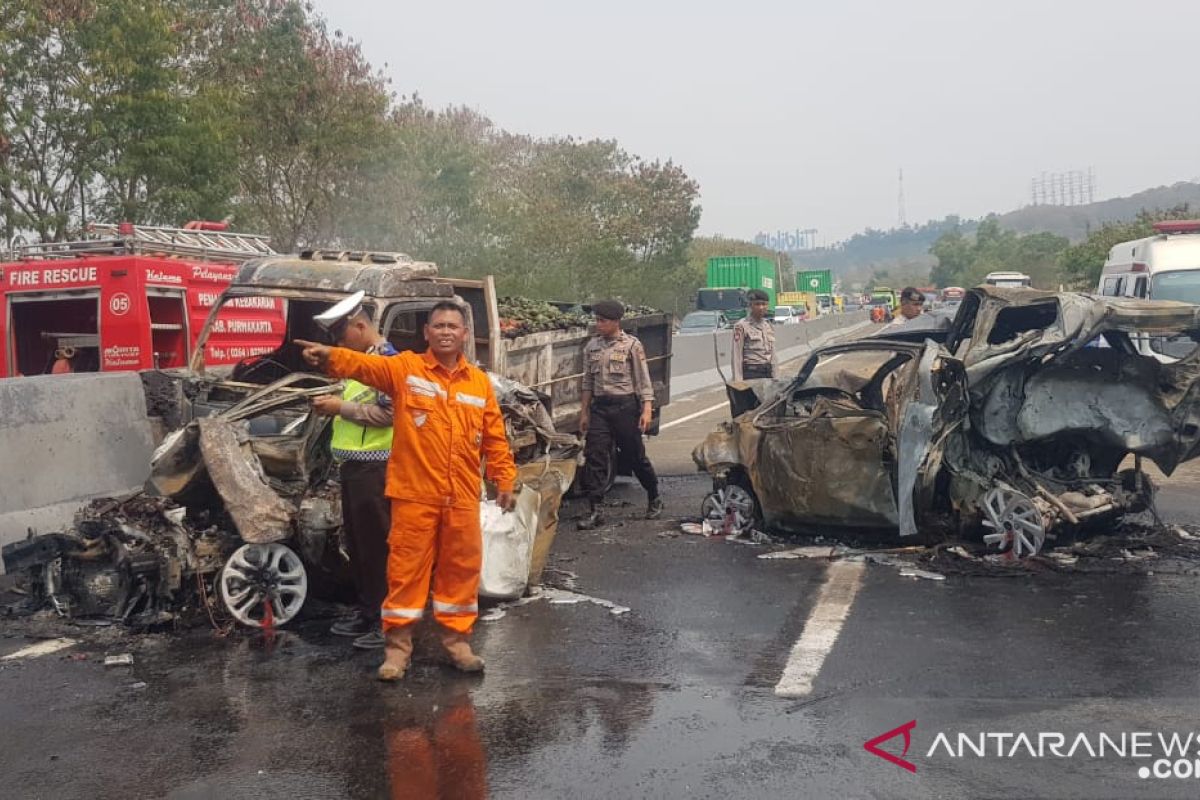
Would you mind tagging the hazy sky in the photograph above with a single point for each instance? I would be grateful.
(794, 114)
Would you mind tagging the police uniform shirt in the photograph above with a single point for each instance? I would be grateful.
(617, 367)
(753, 345)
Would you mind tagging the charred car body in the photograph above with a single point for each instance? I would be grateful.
(243, 503)
(1018, 418)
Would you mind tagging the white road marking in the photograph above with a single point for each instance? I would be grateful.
(821, 631)
(43, 648)
(693, 416)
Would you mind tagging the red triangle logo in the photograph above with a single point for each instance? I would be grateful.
(904, 730)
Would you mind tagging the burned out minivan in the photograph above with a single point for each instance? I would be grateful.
(1023, 415)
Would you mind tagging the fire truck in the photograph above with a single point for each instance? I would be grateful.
(131, 297)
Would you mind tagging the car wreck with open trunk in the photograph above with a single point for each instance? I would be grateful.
(1028, 412)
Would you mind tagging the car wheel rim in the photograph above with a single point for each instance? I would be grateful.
(727, 499)
(1020, 529)
(258, 574)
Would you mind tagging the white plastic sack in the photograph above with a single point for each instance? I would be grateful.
(508, 546)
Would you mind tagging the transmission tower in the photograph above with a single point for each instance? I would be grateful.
(900, 201)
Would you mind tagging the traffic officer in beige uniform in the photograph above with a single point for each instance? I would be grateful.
(617, 404)
(754, 342)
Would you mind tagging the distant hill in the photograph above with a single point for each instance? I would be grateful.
(1074, 222)
(906, 250)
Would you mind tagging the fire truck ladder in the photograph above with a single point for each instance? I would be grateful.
(150, 240)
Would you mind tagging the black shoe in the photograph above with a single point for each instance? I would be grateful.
(590, 522)
(355, 625)
(370, 641)
(654, 508)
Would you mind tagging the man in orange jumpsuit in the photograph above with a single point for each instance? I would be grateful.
(446, 417)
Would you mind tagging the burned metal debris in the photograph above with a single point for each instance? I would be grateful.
(245, 517)
(1034, 411)
(138, 560)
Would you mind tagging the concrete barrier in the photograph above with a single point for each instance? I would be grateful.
(65, 439)
(693, 368)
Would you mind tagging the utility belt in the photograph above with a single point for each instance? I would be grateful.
(613, 399)
(753, 371)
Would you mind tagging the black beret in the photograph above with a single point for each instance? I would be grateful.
(609, 309)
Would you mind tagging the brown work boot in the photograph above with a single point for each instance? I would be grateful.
(397, 650)
(459, 650)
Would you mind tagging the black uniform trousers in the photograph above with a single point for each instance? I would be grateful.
(615, 419)
(366, 521)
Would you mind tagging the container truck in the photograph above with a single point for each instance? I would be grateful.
(817, 281)
(728, 280)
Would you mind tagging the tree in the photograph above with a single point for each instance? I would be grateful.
(156, 143)
(43, 117)
(308, 116)
(966, 262)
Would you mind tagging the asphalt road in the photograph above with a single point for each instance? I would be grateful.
(729, 676)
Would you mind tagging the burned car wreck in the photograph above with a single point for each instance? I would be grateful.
(241, 517)
(1031, 411)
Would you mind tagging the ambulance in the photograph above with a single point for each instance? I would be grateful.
(1165, 266)
(131, 297)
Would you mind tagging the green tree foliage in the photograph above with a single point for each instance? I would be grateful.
(159, 111)
(44, 117)
(1082, 263)
(965, 261)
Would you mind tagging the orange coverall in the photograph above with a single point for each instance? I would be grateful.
(444, 421)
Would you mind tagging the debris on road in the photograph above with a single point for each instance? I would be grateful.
(1014, 421)
(558, 597)
(808, 551)
(122, 660)
(922, 573)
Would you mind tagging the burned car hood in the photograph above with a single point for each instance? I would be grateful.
(1043, 365)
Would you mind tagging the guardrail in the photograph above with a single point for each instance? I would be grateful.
(693, 354)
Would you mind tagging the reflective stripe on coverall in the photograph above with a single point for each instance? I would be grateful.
(444, 421)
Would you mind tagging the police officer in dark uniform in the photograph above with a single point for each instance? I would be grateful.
(616, 405)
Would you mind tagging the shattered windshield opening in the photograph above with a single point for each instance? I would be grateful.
(853, 381)
(272, 353)
(1013, 321)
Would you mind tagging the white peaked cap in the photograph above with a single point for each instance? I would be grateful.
(340, 310)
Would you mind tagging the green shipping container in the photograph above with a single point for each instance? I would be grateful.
(744, 272)
(818, 281)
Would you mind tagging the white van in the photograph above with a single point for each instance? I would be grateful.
(1008, 280)
(1165, 266)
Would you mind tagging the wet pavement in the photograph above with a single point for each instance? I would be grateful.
(675, 698)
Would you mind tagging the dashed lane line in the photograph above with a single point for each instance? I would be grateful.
(821, 631)
(43, 648)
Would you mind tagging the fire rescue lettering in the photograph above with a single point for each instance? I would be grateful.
(207, 299)
(236, 353)
(162, 277)
(242, 326)
(51, 276)
(216, 274)
(117, 356)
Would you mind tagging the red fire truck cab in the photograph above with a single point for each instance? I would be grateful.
(131, 298)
